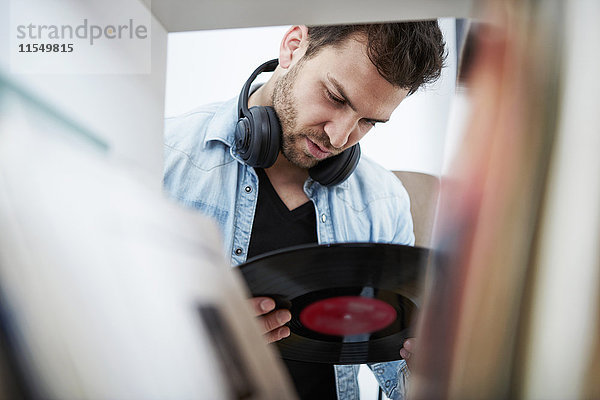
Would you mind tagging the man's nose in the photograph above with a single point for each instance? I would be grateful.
(339, 130)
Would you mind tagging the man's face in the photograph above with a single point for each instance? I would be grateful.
(328, 102)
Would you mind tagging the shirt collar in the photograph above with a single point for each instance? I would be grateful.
(222, 125)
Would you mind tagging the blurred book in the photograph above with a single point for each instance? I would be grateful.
(516, 282)
(107, 289)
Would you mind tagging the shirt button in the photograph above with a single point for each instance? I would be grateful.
(323, 217)
(248, 189)
(239, 251)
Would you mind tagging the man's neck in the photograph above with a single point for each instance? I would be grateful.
(288, 181)
(262, 96)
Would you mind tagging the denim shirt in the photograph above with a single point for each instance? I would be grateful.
(203, 171)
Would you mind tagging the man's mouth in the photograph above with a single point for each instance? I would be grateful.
(317, 151)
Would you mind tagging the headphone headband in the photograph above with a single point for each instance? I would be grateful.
(269, 66)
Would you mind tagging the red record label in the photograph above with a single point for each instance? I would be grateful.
(347, 315)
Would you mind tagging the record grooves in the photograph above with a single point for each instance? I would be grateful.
(351, 303)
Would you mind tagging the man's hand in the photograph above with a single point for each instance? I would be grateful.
(407, 350)
(271, 320)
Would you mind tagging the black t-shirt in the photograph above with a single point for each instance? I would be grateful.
(276, 227)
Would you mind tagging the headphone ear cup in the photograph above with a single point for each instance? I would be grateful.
(335, 170)
(257, 133)
(264, 137)
(243, 136)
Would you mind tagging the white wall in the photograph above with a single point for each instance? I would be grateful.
(208, 66)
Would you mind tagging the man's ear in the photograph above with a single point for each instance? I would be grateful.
(293, 45)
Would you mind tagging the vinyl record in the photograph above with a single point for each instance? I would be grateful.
(351, 303)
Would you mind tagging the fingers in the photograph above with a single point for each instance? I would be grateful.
(274, 320)
(409, 345)
(277, 334)
(262, 305)
(407, 350)
(271, 321)
(405, 354)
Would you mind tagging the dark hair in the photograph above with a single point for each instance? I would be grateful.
(406, 54)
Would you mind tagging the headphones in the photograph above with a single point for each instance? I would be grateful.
(258, 139)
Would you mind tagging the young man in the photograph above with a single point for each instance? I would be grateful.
(332, 85)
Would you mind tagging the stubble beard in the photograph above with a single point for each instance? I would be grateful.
(292, 139)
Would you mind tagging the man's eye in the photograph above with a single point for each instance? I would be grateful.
(335, 99)
(369, 122)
